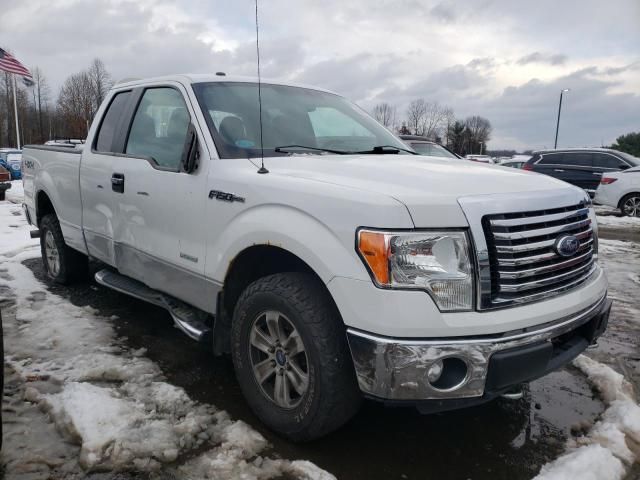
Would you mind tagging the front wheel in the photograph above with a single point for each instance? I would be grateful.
(61, 263)
(291, 356)
(630, 205)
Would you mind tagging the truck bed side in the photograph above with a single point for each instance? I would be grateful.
(51, 185)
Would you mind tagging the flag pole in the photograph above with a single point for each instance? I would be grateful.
(15, 110)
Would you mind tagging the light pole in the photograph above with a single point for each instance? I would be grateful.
(555, 145)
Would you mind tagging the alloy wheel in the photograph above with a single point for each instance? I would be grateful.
(52, 254)
(631, 206)
(279, 359)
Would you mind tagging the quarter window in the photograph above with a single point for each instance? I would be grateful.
(601, 160)
(110, 122)
(159, 128)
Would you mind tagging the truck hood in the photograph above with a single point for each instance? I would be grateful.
(428, 186)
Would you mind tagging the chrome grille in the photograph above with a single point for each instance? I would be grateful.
(523, 260)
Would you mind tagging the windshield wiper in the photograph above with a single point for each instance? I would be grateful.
(386, 149)
(287, 149)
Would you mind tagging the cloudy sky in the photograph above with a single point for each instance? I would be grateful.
(504, 59)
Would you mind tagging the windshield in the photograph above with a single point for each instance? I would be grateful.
(290, 116)
(433, 150)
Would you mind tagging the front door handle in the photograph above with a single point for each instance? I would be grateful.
(558, 170)
(117, 182)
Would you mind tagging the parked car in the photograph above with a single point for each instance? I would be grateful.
(330, 270)
(480, 158)
(12, 161)
(582, 167)
(512, 163)
(424, 146)
(621, 190)
(5, 182)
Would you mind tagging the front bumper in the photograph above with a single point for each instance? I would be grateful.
(473, 368)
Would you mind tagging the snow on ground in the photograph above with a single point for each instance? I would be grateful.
(111, 402)
(612, 445)
(611, 218)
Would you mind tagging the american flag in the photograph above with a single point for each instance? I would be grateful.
(10, 64)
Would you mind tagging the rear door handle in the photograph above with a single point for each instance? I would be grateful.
(558, 170)
(596, 173)
(117, 182)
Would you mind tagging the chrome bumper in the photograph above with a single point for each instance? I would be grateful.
(399, 369)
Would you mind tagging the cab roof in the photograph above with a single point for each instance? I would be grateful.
(192, 78)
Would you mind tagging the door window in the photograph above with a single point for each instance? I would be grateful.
(577, 159)
(552, 158)
(110, 122)
(159, 127)
(602, 160)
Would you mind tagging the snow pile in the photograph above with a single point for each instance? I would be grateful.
(111, 401)
(16, 193)
(613, 443)
(614, 221)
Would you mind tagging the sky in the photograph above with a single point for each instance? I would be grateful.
(506, 60)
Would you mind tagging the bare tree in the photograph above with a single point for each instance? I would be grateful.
(435, 119)
(40, 94)
(76, 103)
(100, 80)
(416, 112)
(479, 132)
(385, 114)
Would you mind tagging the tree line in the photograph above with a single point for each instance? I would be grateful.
(437, 123)
(42, 115)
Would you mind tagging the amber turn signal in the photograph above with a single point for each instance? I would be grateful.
(374, 248)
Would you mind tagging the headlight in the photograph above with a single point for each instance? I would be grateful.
(435, 261)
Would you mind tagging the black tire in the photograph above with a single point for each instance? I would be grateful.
(332, 396)
(2, 193)
(621, 206)
(73, 265)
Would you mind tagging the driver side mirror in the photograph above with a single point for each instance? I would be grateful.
(191, 150)
(624, 166)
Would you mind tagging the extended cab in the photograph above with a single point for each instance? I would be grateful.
(305, 239)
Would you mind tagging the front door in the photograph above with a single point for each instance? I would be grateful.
(160, 226)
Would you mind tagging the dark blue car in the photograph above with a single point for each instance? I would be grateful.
(12, 161)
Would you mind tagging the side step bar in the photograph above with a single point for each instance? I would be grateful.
(192, 321)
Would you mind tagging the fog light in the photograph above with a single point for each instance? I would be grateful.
(434, 372)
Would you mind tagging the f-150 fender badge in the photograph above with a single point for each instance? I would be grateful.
(225, 197)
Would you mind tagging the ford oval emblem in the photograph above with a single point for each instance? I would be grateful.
(567, 245)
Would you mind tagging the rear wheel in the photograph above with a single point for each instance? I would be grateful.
(630, 205)
(291, 356)
(61, 263)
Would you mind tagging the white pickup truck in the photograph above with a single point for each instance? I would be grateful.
(347, 267)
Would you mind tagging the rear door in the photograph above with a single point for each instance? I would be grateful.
(605, 162)
(159, 208)
(95, 180)
(578, 168)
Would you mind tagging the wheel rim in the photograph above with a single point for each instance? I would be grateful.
(51, 253)
(278, 359)
(632, 207)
